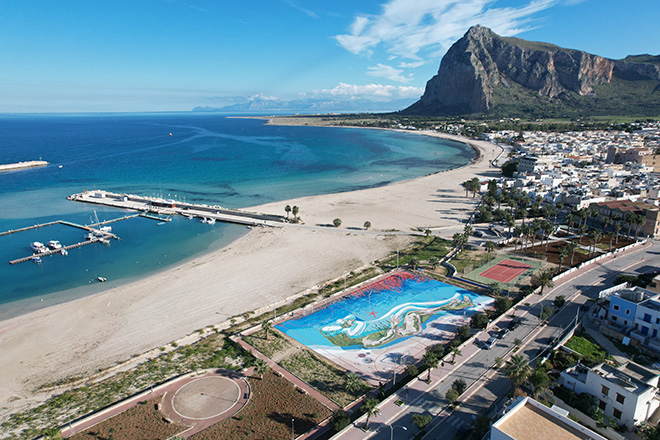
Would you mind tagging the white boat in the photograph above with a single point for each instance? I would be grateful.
(64, 252)
(210, 221)
(101, 279)
(37, 246)
(54, 244)
(36, 259)
(105, 229)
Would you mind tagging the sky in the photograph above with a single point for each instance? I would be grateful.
(173, 55)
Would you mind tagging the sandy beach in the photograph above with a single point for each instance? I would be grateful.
(264, 266)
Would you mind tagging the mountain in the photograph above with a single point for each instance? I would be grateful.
(484, 73)
(266, 104)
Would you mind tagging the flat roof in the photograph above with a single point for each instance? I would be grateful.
(530, 420)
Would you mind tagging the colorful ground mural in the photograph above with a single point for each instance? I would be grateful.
(386, 324)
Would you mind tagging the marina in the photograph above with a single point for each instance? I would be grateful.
(205, 213)
(97, 232)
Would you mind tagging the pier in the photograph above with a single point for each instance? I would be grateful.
(149, 205)
(22, 165)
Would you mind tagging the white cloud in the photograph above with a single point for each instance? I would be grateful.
(372, 90)
(410, 29)
(388, 72)
(412, 65)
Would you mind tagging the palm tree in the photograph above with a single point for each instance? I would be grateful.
(595, 235)
(260, 367)
(458, 240)
(547, 226)
(490, 247)
(354, 383)
(434, 262)
(540, 381)
(571, 246)
(367, 225)
(337, 222)
(640, 221)
(570, 221)
(544, 279)
(525, 229)
(582, 230)
(617, 229)
(468, 230)
(517, 369)
(455, 351)
(563, 253)
(370, 408)
(287, 209)
(413, 263)
(266, 326)
(630, 220)
(583, 214)
(430, 362)
(295, 210)
(610, 234)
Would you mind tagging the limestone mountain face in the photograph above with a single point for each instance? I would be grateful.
(483, 71)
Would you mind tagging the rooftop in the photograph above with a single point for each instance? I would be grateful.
(530, 420)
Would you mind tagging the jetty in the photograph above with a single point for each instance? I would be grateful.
(166, 207)
(22, 165)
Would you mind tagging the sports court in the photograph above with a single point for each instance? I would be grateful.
(385, 325)
(508, 270)
(505, 271)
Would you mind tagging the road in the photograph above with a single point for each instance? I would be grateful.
(479, 398)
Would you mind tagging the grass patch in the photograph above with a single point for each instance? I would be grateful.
(591, 352)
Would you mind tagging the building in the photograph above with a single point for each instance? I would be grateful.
(637, 310)
(627, 393)
(528, 419)
(651, 213)
(535, 164)
(643, 156)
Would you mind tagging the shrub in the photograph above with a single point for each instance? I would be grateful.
(560, 301)
(451, 395)
(421, 420)
(459, 385)
(340, 420)
(412, 370)
(480, 320)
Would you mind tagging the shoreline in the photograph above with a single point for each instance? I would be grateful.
(260, 268)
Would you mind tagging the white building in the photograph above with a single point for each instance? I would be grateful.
(528, 419)
(627, 394)
(534, 164)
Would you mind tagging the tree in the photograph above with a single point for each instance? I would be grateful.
(340, 420)
(463, 333)
(540, 381)
(337, 222)
(479, 320)
(459, 385)
(459, 240)
(517, 369)
(651, 433)
(495, 288)
(572, 247)
(434, 262)
(451, 395)
(563, 253)
(295, 210)
(546, 312)
(510, 168)
(502, 304)
(260, 367)
(560, 301)
(617, 230)
(490, 247)
(421, 420)
(640, 221)
(354, 383)
(287, 209)
(543, 280)
(266, 326)
(412, 370)
(367, 225)
(455, 351)
(468, 230)
(413, 263)
(430, 362)
(370, 408)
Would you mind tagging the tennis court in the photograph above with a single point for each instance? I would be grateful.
(505, 271)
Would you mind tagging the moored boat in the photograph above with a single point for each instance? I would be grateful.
(54, 244)
(37, 246)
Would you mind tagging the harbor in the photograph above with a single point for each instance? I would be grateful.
(204, 213)
(97, 232)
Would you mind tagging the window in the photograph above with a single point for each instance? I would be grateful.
(644, 330)
(620, 398)
(613, 318)
(627, 311)
(602, 405)
(647, 317)
(625, 322)
(615, 307)
(616, 413)
(604, 390)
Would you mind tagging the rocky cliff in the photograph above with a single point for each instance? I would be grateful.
(486, 73)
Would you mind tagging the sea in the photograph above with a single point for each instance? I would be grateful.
(194, 157)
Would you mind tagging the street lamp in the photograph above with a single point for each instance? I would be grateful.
(293, 436)
(392, 430)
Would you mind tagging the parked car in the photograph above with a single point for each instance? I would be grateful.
(515, 323)
(502, 333)
(489, 343)
(478, 233)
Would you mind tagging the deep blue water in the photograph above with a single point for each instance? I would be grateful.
(208, 158)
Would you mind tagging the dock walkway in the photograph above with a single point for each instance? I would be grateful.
(170, 207)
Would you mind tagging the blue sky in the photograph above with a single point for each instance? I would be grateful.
(172, 55)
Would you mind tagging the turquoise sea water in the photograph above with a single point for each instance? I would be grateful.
(208, 158)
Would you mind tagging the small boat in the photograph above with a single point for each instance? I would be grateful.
(64, 252)
(104, 241)
(36, 259)
(38, 246)
(105, 229)
(101, 279)
(189, 216)
(54, 244)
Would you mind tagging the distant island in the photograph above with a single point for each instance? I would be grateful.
(21, 165)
